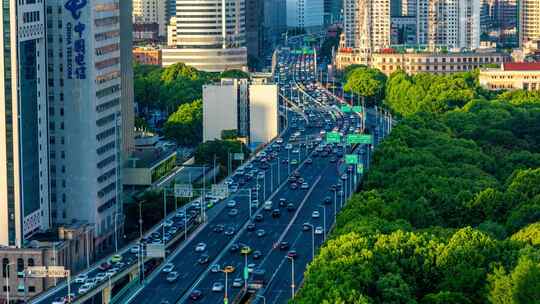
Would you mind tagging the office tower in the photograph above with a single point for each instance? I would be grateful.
(366, 25)
(254, 27)
(498, 21)
(408, 7)
(23, 122)
(208, 35)
(449, 23)
(529, 21)
(306, 14)
(126, 70)
(85, 114)
(275, 22)
(151, 11)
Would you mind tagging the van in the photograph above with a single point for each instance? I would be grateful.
(268, 205)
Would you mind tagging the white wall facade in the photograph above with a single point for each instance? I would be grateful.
(263, 110)
(220, 110)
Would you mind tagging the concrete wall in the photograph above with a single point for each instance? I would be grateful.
(263, 112)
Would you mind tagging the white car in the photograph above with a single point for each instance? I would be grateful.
(200, 247)
(215, 268)
(231, 204)
(315, 214)
(217, 287)
(279, 140)
(288, 146)
(101, 276)
(85, 288)
(134, 249)
(168, 268)
(295, 151)
(81, 278)
(319, 230)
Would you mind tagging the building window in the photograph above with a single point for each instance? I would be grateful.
(5, 263)
(31, 262)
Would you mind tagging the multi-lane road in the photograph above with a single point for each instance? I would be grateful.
(287, 199)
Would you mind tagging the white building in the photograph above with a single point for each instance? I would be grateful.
(85, 114)
(23, 122)
(207, 35)
(306, 14)
(151, 11)
(237, 104)
(453, 24)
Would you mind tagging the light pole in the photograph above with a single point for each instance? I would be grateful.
(292, 275)
(324, 221)
(226, 270)
(245, 270)
(116, 231)
(6, 269)
(165, 214)
(312, 239)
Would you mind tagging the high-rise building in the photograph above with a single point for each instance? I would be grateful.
(529, 21)
(126, 71)
(85, 113)
(366, 27)
(254, 27)
(498, 21)
(408, 7)
(151, 11)
(449, 23)
(305, 14)
(23, 122)
(275, 22)
(207, 35)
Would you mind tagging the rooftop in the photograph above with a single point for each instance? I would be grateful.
(521, 66)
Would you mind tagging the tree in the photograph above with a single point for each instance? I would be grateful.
(234, 74)
(229, 134)
(368, 83)
(185, 125)
(220, 149)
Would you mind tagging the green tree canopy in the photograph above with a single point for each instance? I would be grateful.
(234, 74)
(368, 83)
(185, 125)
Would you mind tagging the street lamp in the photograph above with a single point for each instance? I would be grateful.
(312, 239)
(292, 275)
(6, 269)
(324, 220)
(226, 270)
(116, 231)
(259, 296)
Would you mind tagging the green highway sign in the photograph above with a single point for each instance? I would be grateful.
(360, 169)
(246, 273)
(333, 137)
(357, 109)
(346, 109)
(225, 301)
(359, 139)
(351, 159)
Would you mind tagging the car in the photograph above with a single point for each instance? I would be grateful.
(293, 186)
(319, 230)
(196, 295)
(168, 223)
(59, 300)
(261, 233)
(238, 282)
(215, 268)
(218, 228)
(105, 266)
(134, 249)
(327, 200)
(309, 161)
(279, 140)
(292, 254)
(200, 247)
(251, 227)
(294, 161)
(168, 268)
(229, 268)
(100, 277)
(81, 278)
(203, 259)
(234, 247)
(230, 231)
(172, 276)
(288, 146)
(233, 212)
(245, 250)
(304, 186)
(315, 214)
(290, 207)
(284, 245)
(259, 218)
(164, 302)
(344, 176)
(256, 254)
(306, 226)
(111, 272)
(231, 204)
(276, 213)
(85, 288)
(217, 287)
(267, 205)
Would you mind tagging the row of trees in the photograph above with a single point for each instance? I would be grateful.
(450, 209)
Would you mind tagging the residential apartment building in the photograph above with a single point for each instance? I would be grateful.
(305, 14)
(151, 11)
(208, 35)
(529, 21)
(498, 21)
(512, 76)
(24, 175)
(147, 55)
(85, 99)
(366, 28)
(453, 24)
(412, 62)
